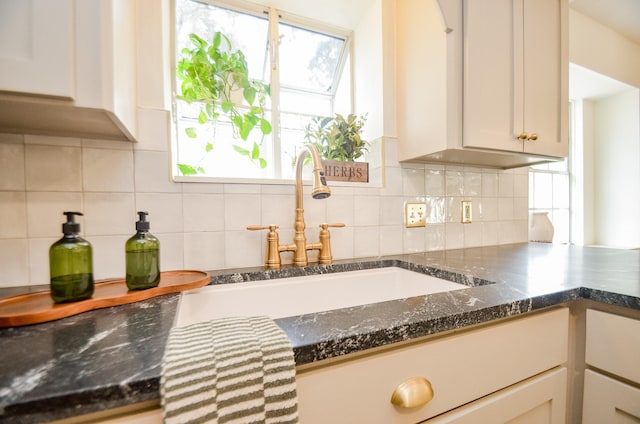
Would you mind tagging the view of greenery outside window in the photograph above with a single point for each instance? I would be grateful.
(550, 188)
(308, 73)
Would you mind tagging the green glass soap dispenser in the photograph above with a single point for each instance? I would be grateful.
(142, 257)
(71, 264)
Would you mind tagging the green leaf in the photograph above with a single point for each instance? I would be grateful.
(240, 150)
(265, 126)
(187, 169)
(227, 106)
(263, 163)
(255, 152)
(249, 94)
(202, 117)
(246, 128)
(217, 37)
(208, 147)
(191, 132)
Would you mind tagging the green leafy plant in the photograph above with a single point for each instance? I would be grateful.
(213, 75)
(337, 138)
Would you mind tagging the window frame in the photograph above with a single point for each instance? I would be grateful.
(282, 17)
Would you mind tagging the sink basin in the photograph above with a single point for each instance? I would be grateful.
(308, 294)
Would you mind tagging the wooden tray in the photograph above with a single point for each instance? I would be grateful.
(34, 308)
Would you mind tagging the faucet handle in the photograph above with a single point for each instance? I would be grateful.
(325, 242)
(273, 251)
(324, 226)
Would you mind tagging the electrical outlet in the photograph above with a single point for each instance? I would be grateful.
(466, 212)
(415, 214)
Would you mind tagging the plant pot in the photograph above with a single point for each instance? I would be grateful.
(335, 170)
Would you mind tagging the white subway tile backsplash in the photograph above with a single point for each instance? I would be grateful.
(205, 250)
(490, 232)
(435, 237)
(171, 251)
(53, 168)
(340, 209)
(12, 166)
(454, 183)
(413, 181)
(152, 173)
(107, 170)
(366, 241)
(241, 210)
(434, 182)
(203, 225)
(14, 262)
(392, 211)
(39, 259)
(454, 235)
(13, 214)
(153, 130)
(243, 248)
(366, 210)
(44, 212)
(390, 242)
(413, 240)
(505, 184)
(490, 184)
(109, 214)
(505, 208)
(203, 212)
(472, 184)
(165, 211)
(108, 256)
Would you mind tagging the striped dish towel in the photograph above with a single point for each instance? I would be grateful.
(229, 370)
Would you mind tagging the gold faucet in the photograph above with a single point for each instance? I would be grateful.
(299, 247)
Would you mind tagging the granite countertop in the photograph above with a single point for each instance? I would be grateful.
(111, 357)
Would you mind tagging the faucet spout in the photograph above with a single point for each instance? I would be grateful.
(320, 191)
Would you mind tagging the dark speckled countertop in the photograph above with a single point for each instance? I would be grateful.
(111, 357)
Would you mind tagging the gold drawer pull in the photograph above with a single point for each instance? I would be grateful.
(532, 137)
(416, 391)
(522, 136)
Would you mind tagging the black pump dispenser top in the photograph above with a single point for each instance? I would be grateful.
(142, 224)
(71, 227)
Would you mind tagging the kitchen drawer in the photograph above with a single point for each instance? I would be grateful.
(613, 344)
(609, 401)
(461, 368)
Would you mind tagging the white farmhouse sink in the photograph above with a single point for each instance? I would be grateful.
(302, 295)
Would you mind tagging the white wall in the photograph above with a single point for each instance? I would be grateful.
(617, 170)
(603, 50)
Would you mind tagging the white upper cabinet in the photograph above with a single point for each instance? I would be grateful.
(482, 82)
(68, 68)
(36, 50)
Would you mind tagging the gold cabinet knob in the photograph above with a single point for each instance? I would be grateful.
(522, 136)
(411, 393)
(532, 137)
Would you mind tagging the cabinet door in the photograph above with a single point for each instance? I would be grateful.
(488, 76)
(514, 76)
(543, 108)
(539, 400)
(36, 47)
(609, 401)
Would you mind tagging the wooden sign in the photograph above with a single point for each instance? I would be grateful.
(335, 170)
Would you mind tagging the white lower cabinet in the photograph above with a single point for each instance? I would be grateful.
(612, 346)
(461, 368)
(539, 400)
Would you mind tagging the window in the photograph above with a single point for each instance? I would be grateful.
(550, 191)
(307, 71)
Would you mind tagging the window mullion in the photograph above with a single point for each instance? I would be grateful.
(275, 91)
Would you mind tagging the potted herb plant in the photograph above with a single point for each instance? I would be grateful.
(339, 143)
(216, 77)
